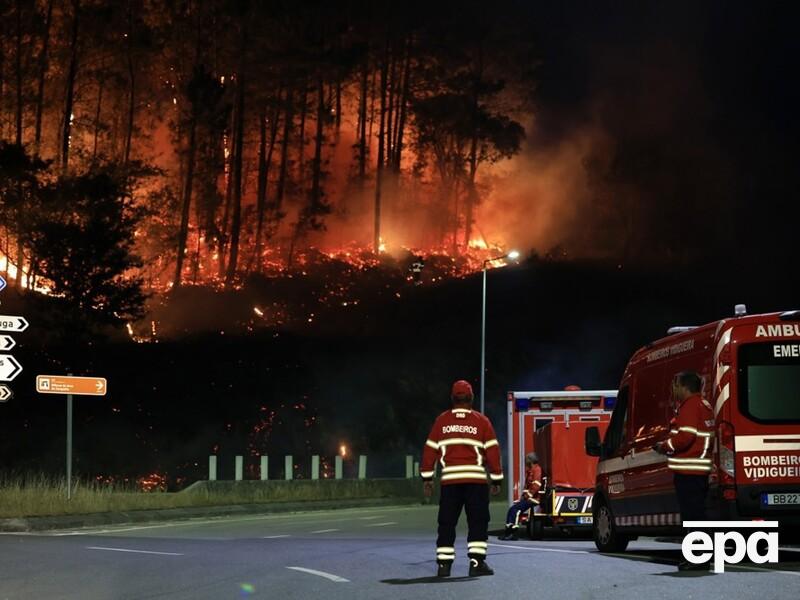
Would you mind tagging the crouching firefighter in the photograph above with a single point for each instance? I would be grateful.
(462, 440)
(529, 499)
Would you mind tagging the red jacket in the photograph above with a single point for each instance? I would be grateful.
(466, 447)
(691, 433)
(533, 483)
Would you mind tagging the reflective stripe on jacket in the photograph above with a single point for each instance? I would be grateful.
(691, 437)
(464, 444)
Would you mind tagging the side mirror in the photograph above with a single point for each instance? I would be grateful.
(592, 442)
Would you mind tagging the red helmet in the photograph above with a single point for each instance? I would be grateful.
(462, 390)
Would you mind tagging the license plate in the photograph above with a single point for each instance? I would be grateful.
(584, 520)
(780, 499)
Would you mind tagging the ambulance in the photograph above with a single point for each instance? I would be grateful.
(553, 424)
(750, 365)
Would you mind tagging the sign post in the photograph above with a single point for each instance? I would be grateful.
(69, 385)
(69, 446)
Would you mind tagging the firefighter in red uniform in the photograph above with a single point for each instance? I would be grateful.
(688, 449)
(528, 499)
(461, 441)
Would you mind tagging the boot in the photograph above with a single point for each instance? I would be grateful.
(507, 534)
(479, 568)
(444, 568)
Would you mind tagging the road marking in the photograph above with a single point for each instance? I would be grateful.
(369, 518)
(341, 515)
(381, 524)
(539, 549)
(325, 530)
(330, 576)
(134, 551)
(274, 537)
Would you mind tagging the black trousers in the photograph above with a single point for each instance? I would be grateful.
(691, 491)
(474, 498)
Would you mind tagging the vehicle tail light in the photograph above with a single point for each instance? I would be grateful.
(727, 454)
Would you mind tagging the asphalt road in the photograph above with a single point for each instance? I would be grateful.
(381, 553)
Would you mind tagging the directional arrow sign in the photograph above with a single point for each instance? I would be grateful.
(81, 386)
(12, 323)
(6, 342)
(9, 367)
(5, 393)
(2, 283)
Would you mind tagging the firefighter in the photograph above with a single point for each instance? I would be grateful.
(462, 440)
(528, 499)
(688, 449)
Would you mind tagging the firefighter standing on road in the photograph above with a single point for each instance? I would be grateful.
(688, 449)
(528, 499)
(462, 439)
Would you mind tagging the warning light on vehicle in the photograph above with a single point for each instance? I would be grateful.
(609, 403)
(585, 405)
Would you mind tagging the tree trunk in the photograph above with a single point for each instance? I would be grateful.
(183, 232)
(131, 92)
(264, 162)
(236, 221)
(362, 122)
(376, 242)
(222, 240)
(37, 139)
(66, 128)
(97, 112)
(398, 146)
(472, 191)
(301, 141)
(315, 196)
(284, 166)
(390, 104)
(18, 68)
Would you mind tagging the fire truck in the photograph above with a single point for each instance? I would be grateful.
(553, 424)
(750, 365)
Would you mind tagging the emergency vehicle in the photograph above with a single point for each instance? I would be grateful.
(750, 366)
(553, 424)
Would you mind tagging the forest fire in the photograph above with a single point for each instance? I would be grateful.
(257, 166)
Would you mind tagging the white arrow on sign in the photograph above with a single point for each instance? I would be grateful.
(5, 393)
(12, 323)
(2, 283)
(6, 342)
(9, 367)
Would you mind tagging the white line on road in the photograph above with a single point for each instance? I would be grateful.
(330, 576)
(381, 524)
(224, 520)
(134, 551)
(369, 518)
(539, 549)
(274, 537)
(324, 530)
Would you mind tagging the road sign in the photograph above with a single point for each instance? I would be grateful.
(6, 343)
(2, 283)
(5, 393)
(9, 367)
(12, 323)
(80, 386)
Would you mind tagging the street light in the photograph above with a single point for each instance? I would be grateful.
(513, 255)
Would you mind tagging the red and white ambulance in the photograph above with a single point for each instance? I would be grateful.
(751, 371)
(553, 424)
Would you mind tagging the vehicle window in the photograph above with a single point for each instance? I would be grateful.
(650, 416)
(539, 423)
(769, 382)
(615, 434)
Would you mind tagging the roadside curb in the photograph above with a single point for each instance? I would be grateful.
(32, 524)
